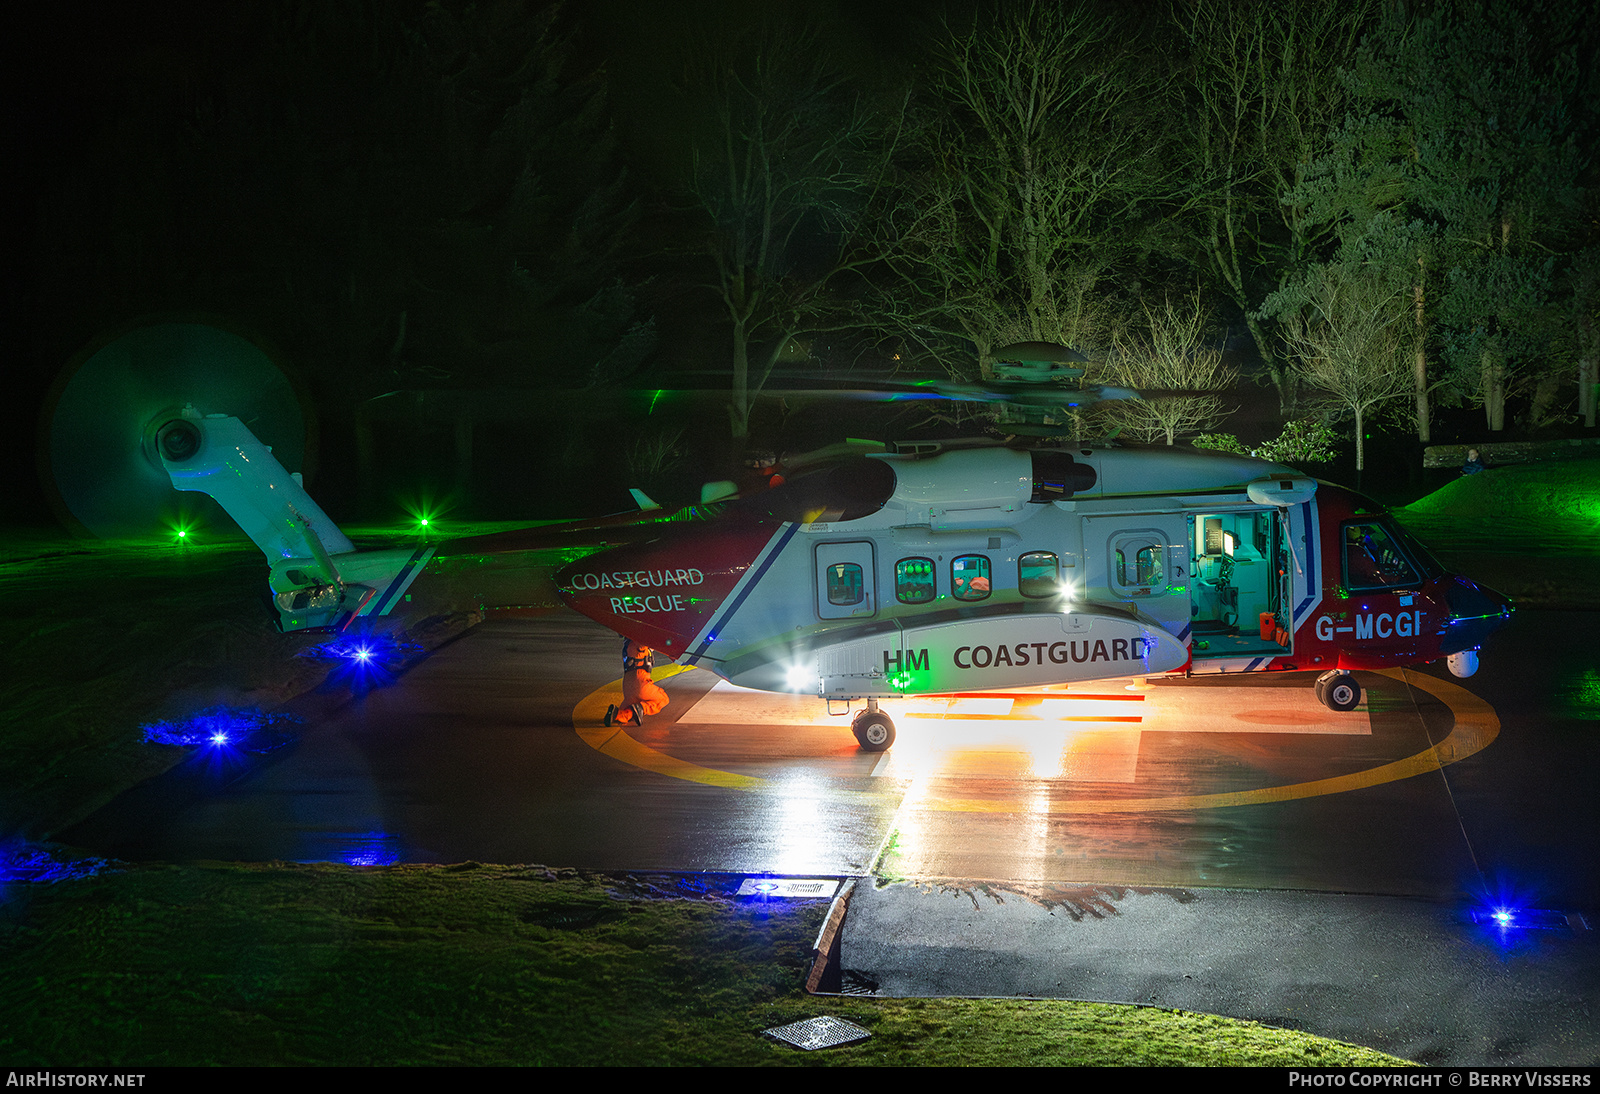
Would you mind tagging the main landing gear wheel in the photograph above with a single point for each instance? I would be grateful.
(874, 730)
(1338, 691)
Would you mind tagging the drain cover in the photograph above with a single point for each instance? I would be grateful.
(823, 1032)
(1530, 919)
(801, 887)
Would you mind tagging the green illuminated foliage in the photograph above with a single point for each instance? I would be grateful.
(1220, 442)
(1306, 441)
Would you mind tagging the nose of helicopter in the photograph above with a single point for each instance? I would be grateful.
(664, 592)
(1476, 612)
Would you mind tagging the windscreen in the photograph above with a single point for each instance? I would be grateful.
(1376, 557)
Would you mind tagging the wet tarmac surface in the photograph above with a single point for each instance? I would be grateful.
(1418, 979)
(1441, 795)
(492, 749)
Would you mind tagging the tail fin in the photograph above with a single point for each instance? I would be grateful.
(641, 499)
(318, 579)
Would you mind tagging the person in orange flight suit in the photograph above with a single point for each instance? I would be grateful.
(762, 472)
(640, 694)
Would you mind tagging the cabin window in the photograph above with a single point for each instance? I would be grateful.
(1373, 559)
(1140, 567)
(913, 580)
(845, 583)
(969, 577)
(1039, 574)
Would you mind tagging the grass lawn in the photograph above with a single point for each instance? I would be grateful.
(469, 964)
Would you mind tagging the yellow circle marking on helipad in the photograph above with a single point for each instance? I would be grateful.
(1476, 726)
(589, 719)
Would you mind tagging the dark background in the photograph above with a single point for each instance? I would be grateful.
(290, 171)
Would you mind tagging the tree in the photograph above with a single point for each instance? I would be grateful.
(1026, 184)
(1261, 94)
(1488, 105)
(1173, 350)
(1345, 326)
(785, 161)
(1359, 194)
(1585, 309)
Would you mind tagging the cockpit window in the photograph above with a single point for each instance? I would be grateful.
(1425, 561)
(1374, 559)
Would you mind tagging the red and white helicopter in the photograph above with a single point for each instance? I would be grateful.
(928, 569)
(968, 568)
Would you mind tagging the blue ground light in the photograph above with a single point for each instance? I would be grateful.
(370, 849)
(21, 861)
(224, 731)
(363, 661)
(1506, 920)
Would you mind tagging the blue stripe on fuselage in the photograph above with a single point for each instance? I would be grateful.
(401, 581)
(1311, 567)
(721, 620)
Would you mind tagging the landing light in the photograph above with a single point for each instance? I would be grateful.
(801, 678)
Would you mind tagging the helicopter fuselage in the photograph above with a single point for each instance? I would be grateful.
(997, 568)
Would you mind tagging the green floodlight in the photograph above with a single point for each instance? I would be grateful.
(423, 512)
(423, 515)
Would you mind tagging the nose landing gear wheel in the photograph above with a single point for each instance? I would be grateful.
(874, 731)
(1338, 691)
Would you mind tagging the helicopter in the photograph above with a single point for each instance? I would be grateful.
(929, 567)
(955, 568)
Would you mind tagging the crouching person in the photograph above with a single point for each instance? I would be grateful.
(641, 695)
